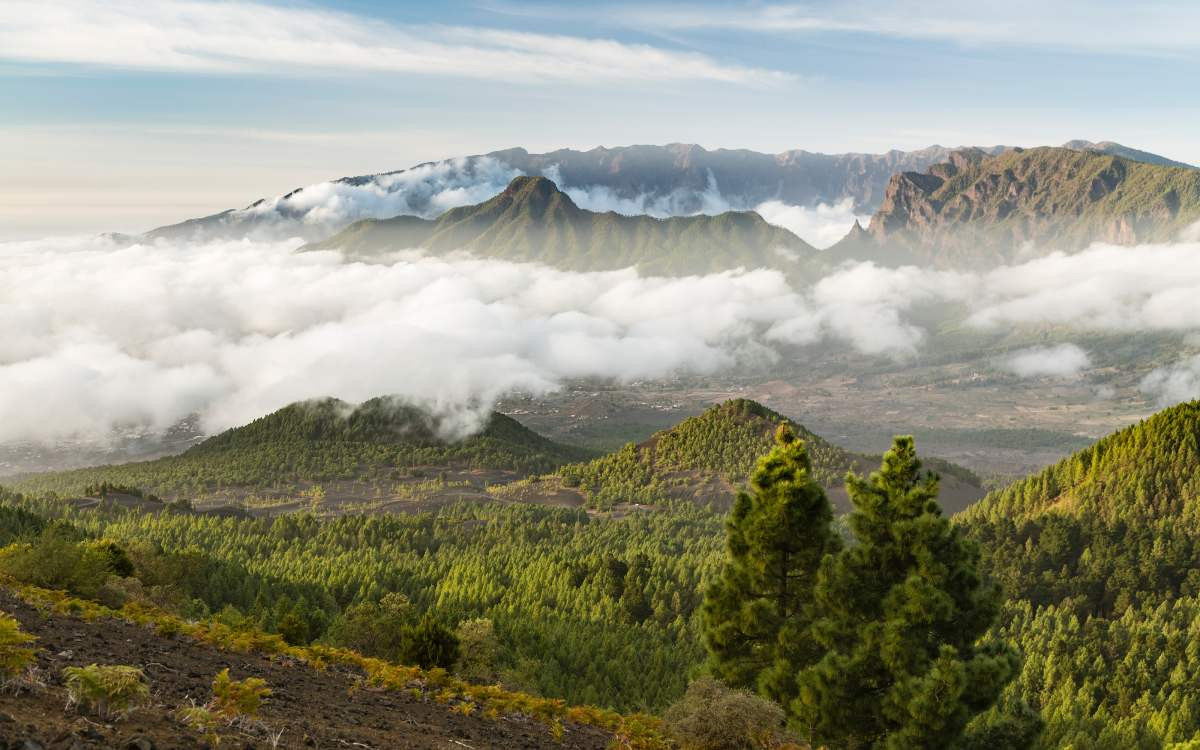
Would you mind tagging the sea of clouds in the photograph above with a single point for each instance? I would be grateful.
(96, 336)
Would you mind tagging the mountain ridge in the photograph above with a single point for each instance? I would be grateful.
(532, 220)
(977, 209)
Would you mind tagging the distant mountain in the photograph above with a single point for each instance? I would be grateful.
(707, 458)
(672, 180)
(1125, 152)
(978, 209)
(326, 441)
(532, 220)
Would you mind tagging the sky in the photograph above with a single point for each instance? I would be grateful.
(121, 115)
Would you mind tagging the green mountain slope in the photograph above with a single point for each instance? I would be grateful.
(381, 441)
(532, 220)
(1098, 555)
(978, 209)
(705, 459)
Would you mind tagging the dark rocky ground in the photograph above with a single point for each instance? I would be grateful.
(307, 708)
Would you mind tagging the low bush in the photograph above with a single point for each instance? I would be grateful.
(110, 691)
(711, 716)
(16, 653)
(232, 698)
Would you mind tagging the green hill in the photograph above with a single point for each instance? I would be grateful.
(383, 443)
(1098, 555)
(532, 220)
(705, 459)
(978, 209)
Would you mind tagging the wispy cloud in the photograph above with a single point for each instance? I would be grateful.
(197, 36)
(1155, 28)
(1062, 361)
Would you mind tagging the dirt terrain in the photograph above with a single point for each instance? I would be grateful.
(307, 708)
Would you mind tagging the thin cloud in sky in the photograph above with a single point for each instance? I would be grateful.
(1156, 28)
(197, 36)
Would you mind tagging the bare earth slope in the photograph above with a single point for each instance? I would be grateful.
(313, 709)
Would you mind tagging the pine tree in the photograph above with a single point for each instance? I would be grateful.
(898, 615)
(757, 613)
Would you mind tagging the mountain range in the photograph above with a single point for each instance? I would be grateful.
(972, 211)
(671, 180)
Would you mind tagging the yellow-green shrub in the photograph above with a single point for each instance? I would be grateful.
(232, 698)
(110, 691)
(15, 652)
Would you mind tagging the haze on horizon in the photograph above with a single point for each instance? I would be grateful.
(134, 115)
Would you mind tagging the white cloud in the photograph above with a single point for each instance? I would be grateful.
(1175, 383)
(821, 225)
(200, 36)
(426, 190)
(677, 202)
(1106, 287)
(1152, 29)
(95, 337)
(1062, 361)
(866, 303)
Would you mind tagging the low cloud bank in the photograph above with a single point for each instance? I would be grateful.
(319, 210)
(95, 336)
(1175, 383)
(1062, 361)
(821, 225)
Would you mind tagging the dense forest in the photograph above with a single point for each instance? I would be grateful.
(1098, 554)
(1095, 556)
(597, 612)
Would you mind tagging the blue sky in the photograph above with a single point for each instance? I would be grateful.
(121, 115)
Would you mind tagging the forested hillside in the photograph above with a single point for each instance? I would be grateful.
(381, 443)
(1098, 555)
(704, 459)
(602, 612)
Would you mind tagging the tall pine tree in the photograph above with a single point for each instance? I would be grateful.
(899, 614)
(757, 614)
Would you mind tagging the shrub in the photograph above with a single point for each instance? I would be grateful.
(294, 629)
(111, 691)
(374, 628)
(234, 702)
(478, 652)
(429, 644)
(711, 716)
(56, 561)
(15, 652)
(233, 698)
